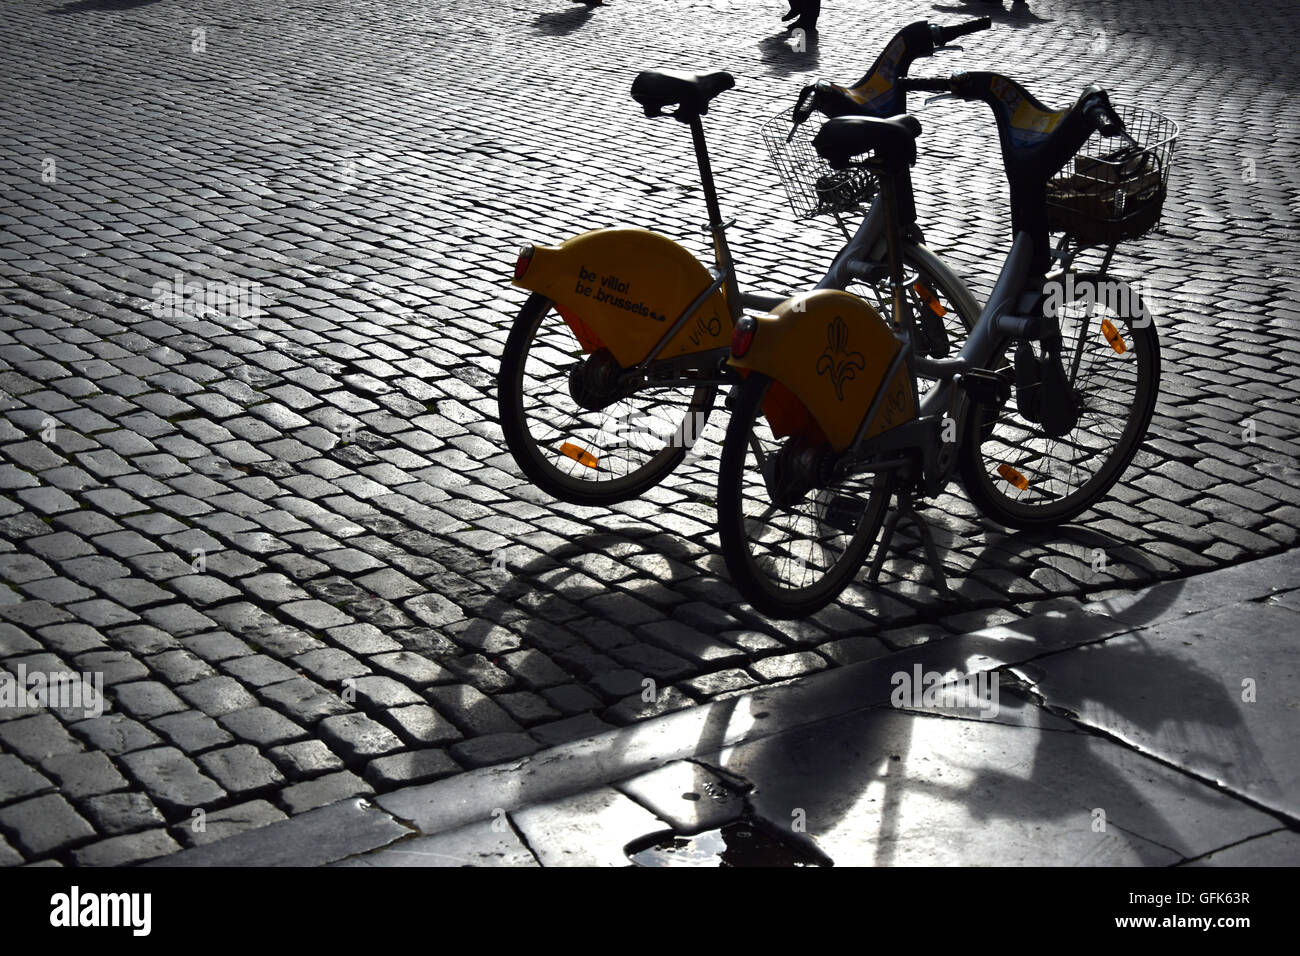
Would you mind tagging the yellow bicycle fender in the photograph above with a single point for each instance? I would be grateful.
(624, 288)
(831, 351)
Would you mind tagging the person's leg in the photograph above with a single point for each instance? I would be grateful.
(809, 11)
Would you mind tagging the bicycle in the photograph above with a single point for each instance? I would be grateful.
(799, 508)
(612, 367)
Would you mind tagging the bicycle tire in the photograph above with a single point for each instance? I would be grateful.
(1002, 438)
(569, 459)
(737, 480)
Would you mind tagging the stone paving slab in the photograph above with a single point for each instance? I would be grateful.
(1279, 848)
(590, 829)
(250, 511)
(479, 844)
(1213, 693)
(310, 839)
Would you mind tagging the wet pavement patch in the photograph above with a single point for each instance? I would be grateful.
(741, 843)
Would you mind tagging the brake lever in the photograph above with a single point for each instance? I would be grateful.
(946, 47)
(940, 96)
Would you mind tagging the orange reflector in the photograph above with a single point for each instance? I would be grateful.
(578, 455)
(1113, 337)
(1013, 476)
(930, 299)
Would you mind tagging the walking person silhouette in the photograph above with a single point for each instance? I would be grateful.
(807, 12)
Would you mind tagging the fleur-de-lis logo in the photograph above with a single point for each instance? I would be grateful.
(837, 361)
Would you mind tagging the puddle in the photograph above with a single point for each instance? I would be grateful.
(737, 844)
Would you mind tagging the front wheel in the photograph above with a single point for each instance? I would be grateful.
(791, 540)
(574, 431)
(1019, 476)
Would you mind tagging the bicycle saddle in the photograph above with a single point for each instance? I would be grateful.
(893, 140)
(691, 92)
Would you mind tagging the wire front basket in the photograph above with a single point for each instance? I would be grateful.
(1111, 190)
(811, 186)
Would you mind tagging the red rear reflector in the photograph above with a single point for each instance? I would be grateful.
(521, 263)
(742, 337)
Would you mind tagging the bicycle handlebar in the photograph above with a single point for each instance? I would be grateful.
(1096, 103)
(877, 92)
(1105, 118)
(948, 34)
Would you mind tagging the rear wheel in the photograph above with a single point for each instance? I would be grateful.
(791, 543)
(1016, 474)
(574, 429)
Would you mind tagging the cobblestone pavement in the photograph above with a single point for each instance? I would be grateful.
(291, 543)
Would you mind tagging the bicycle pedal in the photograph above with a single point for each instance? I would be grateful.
(932, 336)
(1029, 379)
(1058, 409)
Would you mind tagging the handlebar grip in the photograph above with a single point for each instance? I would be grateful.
(1105, 118)
(948, 34)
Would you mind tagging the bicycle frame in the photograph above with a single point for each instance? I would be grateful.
(707, 365)
(665, 362)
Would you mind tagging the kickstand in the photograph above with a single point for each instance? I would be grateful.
(906, 510)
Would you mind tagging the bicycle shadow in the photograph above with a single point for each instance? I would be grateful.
(86, 6)
(1069, 561)
(544, 602)
(907, 760)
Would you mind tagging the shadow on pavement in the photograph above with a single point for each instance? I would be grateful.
(888, 781)
(1017, 15)
(780, 54)
(86, 6)
(563, 22)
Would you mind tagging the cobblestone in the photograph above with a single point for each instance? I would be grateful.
(240, 769)
(115, 813)
(308, 758)
(399, 770)
(127, 849)
(172, 779)
(355, 736)
(84, 774)
(43, 825)
(328, 789)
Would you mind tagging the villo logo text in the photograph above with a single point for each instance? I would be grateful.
(74, 909)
